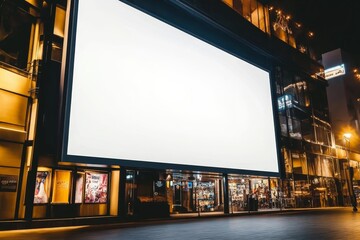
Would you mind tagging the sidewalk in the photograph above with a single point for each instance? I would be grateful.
(116, 222)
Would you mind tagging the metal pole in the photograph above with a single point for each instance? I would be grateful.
(226, 193)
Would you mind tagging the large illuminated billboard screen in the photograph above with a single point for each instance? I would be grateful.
(144, 91)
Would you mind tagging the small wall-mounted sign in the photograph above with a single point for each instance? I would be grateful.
(334, 71)
(8, 183)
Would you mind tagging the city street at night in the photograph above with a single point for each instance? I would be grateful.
(335, 223)
(180, 119)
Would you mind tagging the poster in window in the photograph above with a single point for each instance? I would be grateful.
(79, 188)
(96, 187)
(42, 187)
(61, 189)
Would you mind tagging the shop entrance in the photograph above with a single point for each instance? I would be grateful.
(239, 189)
(196, 193)
(249, 193)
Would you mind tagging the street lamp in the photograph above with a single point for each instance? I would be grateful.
(347, 137)
(350, 172)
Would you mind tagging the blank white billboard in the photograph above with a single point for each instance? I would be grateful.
(143, 90)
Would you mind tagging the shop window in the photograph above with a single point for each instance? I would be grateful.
(96, 187)
(260, 188)
(331, 193)
(61, 186)
(195, 192)
(302, 193)
(238, 190)
(42, 186)
(205, 195)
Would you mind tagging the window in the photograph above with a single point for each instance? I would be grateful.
(299, 163)
(15, 28)
(253, 11)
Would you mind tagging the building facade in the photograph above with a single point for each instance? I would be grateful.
(38, 181)
(341, 72)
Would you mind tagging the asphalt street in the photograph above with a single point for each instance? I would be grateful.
(339, 223)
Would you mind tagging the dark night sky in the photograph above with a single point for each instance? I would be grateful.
(336, 24)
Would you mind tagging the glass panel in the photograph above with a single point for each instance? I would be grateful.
(318, 166)
(328, 170)
(79, 188)
(61, 188)
(299, 163)
(287, 160)
(283, 125)
(254, 13)
(246, 10)
(238, 191)
(311, 164)
(267, 19)
(261, 13)
(130, 189)
(15, 27)
(59, 24)
(294, 128)
(96, 187)
(42, 187)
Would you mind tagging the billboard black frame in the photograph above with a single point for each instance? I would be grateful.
(182, 16)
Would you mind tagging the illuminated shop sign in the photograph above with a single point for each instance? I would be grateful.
(285, 100)
(335, 71)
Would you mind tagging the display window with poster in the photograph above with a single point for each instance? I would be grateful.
(42, 186)
(61, 187)
(96, 187)
(238, 193)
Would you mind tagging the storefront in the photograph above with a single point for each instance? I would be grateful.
(169, 192)
(253, 193)
(200, 192)
(75, 192)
